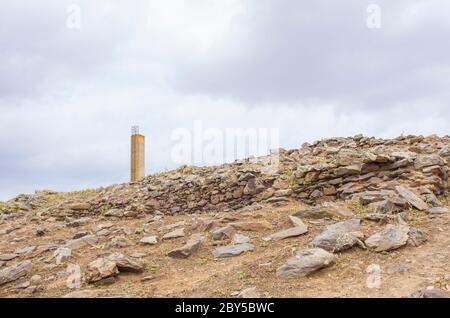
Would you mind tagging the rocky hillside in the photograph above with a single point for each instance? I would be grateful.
(288, 224)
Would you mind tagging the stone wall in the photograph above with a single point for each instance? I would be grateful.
(330, 169)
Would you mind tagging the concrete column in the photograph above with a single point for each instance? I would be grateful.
(137, 157)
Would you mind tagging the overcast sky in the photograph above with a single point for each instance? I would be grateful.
(312, 69)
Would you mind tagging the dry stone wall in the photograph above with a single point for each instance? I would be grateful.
(327, 170)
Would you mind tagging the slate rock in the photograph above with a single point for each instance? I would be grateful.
(232, 250)
(240, 239)
(252, 225)
(14, 272)
(339, 236)
(174, 234)
(435, 293)
(83, 294)
(438, 210)
(412, 198)
(8, 257)
(100, 269)
(318, 212)
(391, 238)
(305, 262)
(191, 246)
(120, 242)
(223, 232)
(149, 240)
(249, 293)
(126, 263)
(291, 232)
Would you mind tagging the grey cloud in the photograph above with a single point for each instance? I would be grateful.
(292, 51)
(311, 69)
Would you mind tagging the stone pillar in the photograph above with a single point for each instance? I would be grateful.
(137, 156)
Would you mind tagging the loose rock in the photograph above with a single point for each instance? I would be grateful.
(391, 238)
(174, 234)
(292, 232)
(100, 269)
(305, 262)
(340, 236)
(232, 250)
(191, 246)
(14, 272)
(412, 198)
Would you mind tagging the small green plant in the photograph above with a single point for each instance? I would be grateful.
(290, 177)
(105, 208)
(241, 276)
(152, 268)
(358, 207)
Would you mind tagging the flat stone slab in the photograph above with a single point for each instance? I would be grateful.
(252, 225)
(25, 250)
(412, 198)
(126, 263)
(149, 240)
(191, 246)
(174, 234)
(100, 269)
(295, 221)
(391, 238)
(249, 293)
(232, 250)
(240, 239)
(317, 212)
(339, 236)
(81, 242)
(305, 262)
(438, 210)
(83, 294)
(8, 257)
(435, 293)
(223, 232)
(292, 232)
(14, 272)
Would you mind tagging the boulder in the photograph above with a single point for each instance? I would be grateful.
(305, 262)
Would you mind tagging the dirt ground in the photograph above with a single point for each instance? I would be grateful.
(404, 271)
